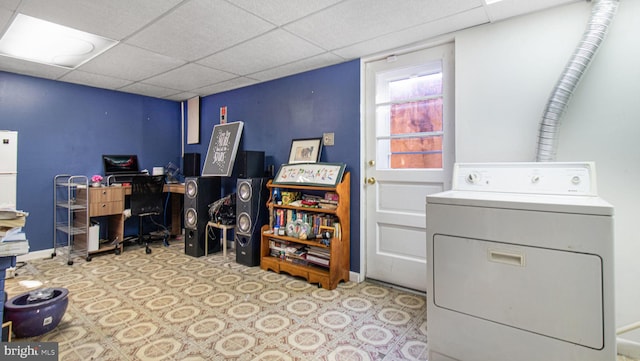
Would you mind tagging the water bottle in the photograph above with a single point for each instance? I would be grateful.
(277, 196)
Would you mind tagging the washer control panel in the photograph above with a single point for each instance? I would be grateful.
(560, 178)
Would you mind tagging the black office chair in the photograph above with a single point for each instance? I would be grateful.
(146, 201)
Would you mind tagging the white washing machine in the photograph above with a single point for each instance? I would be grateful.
(520, 265)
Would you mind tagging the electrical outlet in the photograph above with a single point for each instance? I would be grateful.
(327, 139)
(10, 273)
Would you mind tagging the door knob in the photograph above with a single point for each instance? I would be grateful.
(371, 180)
(372, 163)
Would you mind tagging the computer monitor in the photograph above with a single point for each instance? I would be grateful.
(120, 164)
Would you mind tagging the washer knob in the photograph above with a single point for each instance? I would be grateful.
(473, 178)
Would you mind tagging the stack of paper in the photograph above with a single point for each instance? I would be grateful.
(13, 241)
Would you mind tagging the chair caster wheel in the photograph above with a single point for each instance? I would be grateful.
(117, 251)
(88, 258)
(147, 250)
(70, 263)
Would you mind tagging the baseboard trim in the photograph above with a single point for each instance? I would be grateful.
(628, 348)
(45, 253)
(354, 277)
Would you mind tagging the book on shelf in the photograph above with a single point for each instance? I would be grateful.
(331, 196)
(287, 250)
(319, 252)
(278, 243)
(338, 231)
(327, 206)
(314, 219)
(317, 260)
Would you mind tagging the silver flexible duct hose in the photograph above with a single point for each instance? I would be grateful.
(602, 13)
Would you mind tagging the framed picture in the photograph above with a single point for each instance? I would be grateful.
(223, 148)
(312, 174)
(305, 150)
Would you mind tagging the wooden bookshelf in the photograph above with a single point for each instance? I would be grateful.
(338, 248)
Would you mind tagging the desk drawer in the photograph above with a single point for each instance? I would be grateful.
(97, 209)
(106, 194)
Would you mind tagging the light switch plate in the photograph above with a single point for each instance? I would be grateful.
(327, 139)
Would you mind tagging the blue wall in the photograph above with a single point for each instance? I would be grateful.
(300, 106)
(65, 128)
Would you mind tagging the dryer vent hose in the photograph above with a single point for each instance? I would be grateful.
(602, 13)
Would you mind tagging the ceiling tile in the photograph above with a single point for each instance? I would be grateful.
(276, 47)
(149, 90)
(509, 8)
(19, 66)
(415, 35)
(181, 96)
(318, 61)
(96, 80)
(189, 77)
(281, 12)
(114, 19)
(129, 62)
(200, 28)
(355, 21)
(230, 84)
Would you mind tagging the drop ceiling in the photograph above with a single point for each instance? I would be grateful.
(178, 49)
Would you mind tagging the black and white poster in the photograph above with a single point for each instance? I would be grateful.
(223, 148)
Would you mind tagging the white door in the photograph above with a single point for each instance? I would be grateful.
(409, 148)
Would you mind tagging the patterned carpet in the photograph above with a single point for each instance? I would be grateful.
(170, 306)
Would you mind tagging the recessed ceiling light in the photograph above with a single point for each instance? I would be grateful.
(45, 42)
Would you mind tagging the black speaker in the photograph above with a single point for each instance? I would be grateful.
(199, 193)
(250, 164)
(251, 215)
(191, 164)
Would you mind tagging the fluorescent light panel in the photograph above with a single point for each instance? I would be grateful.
(45, 42)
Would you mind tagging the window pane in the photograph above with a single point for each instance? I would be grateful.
(422, 152)
(417, 117)
(418, 87)
(409, 121)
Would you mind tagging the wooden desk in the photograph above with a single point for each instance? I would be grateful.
(116, 218)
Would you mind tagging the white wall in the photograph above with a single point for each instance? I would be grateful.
(504, 75)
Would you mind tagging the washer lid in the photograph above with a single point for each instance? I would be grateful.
(536, 202)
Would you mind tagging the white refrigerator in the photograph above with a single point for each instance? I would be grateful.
(8, 168)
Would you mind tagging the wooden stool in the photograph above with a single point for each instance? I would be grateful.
(224, 228)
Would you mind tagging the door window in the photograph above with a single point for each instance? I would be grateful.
(409, 117)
